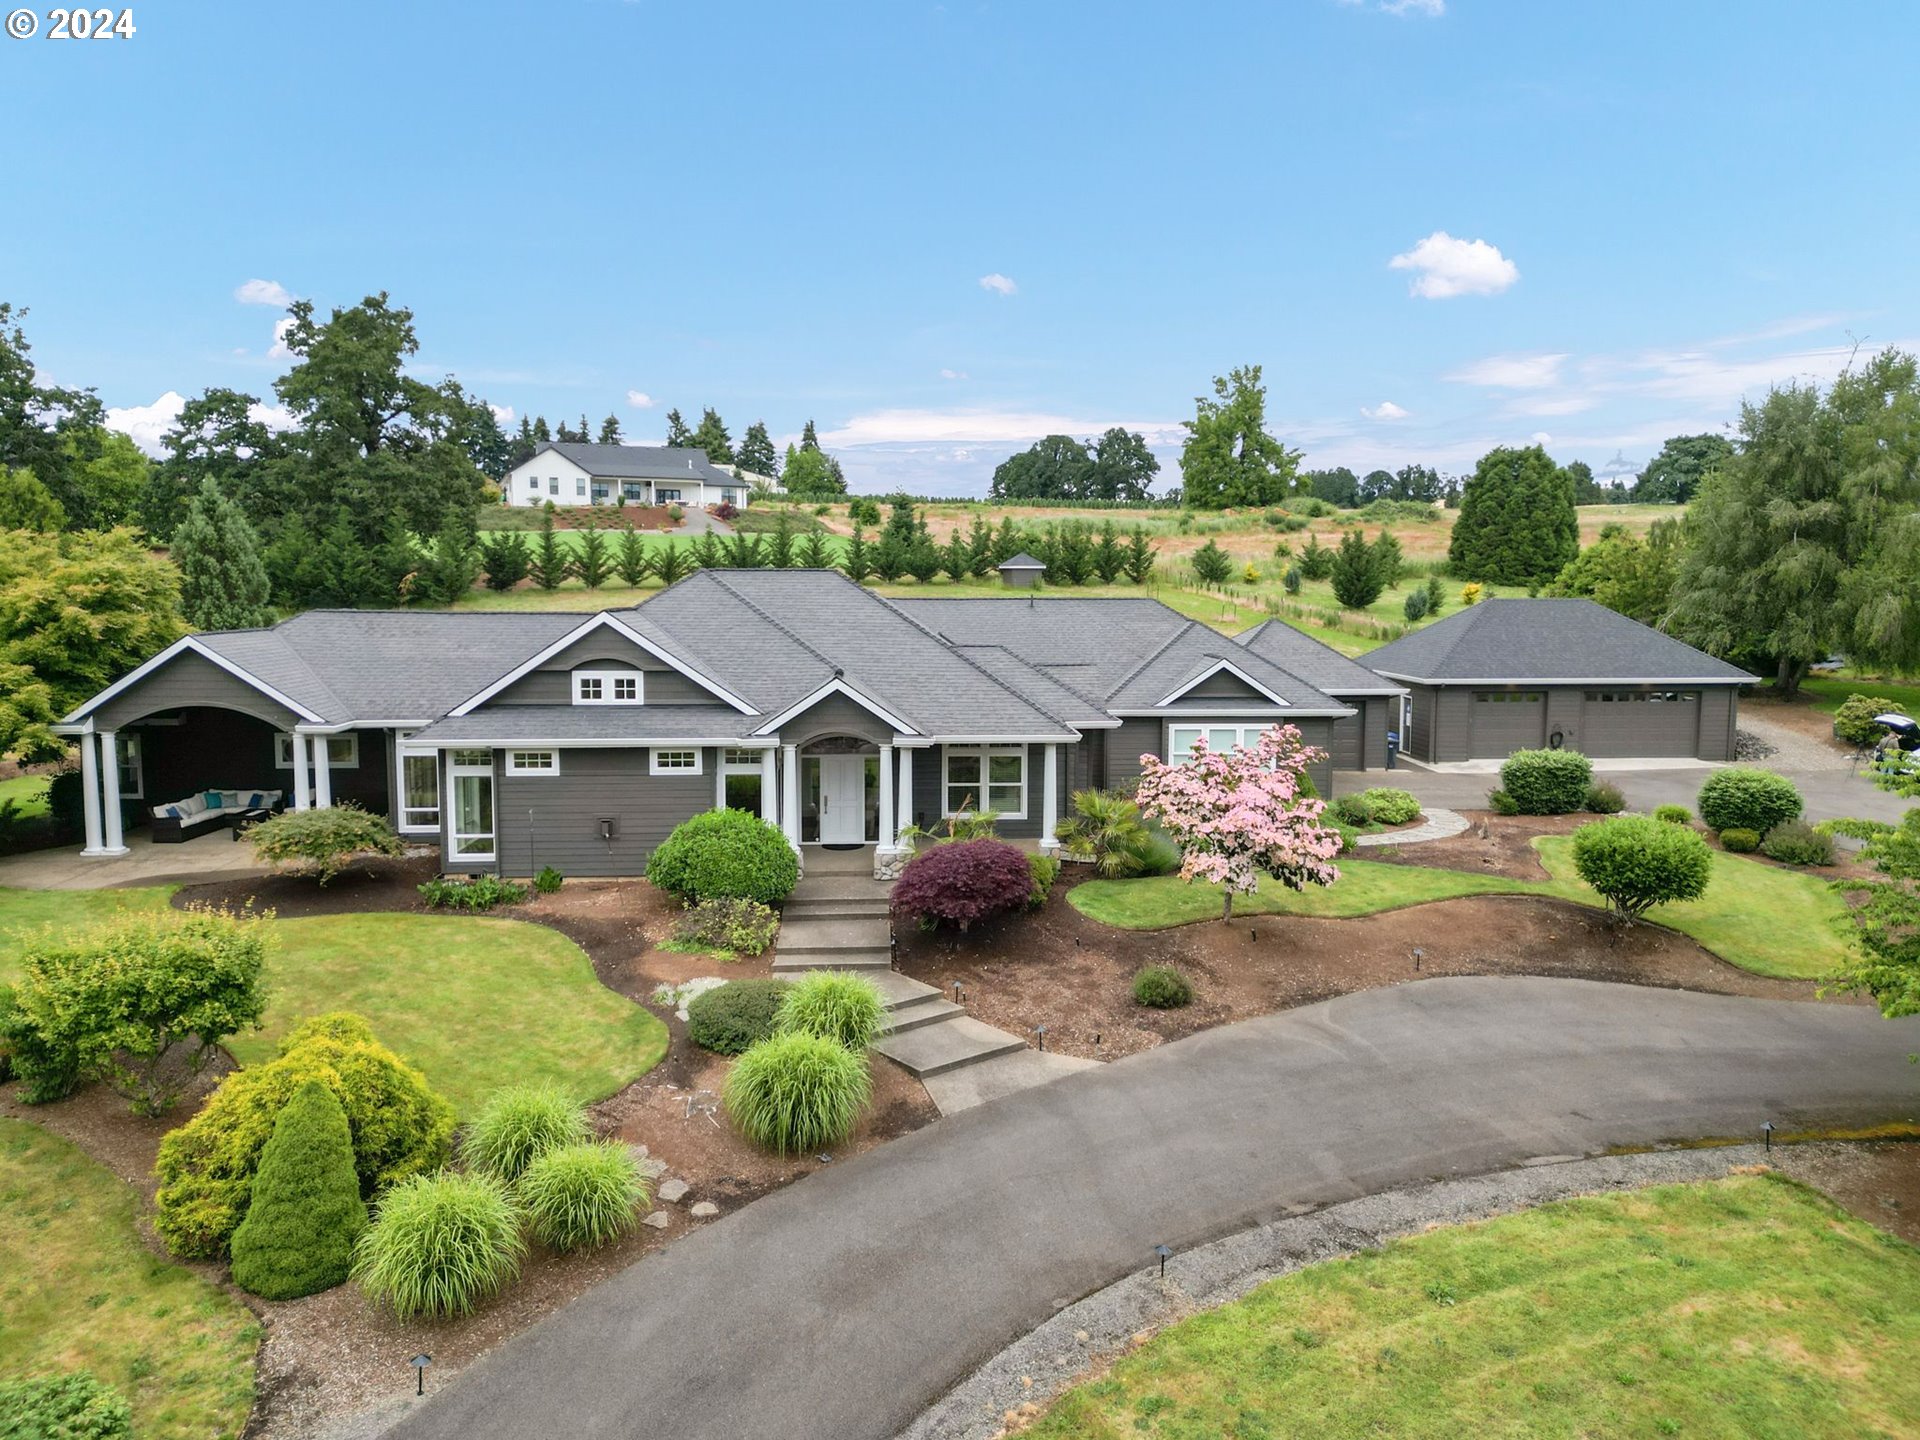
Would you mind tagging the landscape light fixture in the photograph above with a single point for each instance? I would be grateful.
(1163, 1252)
(1418, 956)
(1041, 1031)
(1766, 1136)
(420, 1363)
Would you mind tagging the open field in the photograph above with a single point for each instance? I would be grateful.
(1749, 1306)
(1829, 692)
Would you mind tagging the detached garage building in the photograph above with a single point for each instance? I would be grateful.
(1508, 675)
(1360, 739)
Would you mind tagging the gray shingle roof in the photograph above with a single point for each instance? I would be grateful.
(1194, 651)
(1021, 561)
(1529, 640)
(1321, 666)
(640, 462)
(538, 724)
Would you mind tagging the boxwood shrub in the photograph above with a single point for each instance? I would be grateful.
(1748, 799)
(1162, 987)
(1739, 840)
(725, 854)
(1547, 782)
(736, 1015)
(1391, 806)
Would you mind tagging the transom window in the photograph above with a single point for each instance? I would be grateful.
(471, 772)
(985, 777)
(1508, 697)
(1667, 697)
(674, 762)
(343, 751)
(533, 762)
(741, 762)
(1220, 738)
(607, 687)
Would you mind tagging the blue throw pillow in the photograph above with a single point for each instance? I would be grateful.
(257, 800)
(212, 797)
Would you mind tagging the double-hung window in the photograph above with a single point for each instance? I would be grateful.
(1220, 738)
(553, 484)
(471, 773)
(419, 785)
(579, 486)
(608, 687)
(533, 762)
(676, 761)
(985, 777)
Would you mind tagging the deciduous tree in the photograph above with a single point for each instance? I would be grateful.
(1229, 458)
(1672, 476)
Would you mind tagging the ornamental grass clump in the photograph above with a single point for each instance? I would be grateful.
(439, 1245)
(797, 1092)
(837, 1005)
(1637, 862)
(516, 1126)
(582, 1196)
(305, 1212)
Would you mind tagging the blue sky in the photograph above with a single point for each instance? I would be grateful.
(942, 230)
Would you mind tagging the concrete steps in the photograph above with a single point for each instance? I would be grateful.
(788, 963)
(958, 1040)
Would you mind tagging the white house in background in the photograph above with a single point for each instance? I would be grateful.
(570, 474)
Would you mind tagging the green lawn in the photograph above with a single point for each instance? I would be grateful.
(27, 791)
(475, 1003)
(23, 912)
(80, 1291)
(1748, 1307)
(1829, 693)
(1769, 921)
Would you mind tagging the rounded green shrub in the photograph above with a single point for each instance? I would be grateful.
(1739, 840)
(582, 1195)
(797, 1092)
(734, 1016)
(1748, 799)
(519, 1124)
(1797, 843)
(1637, 862)
(1853, 722)
(1673, 814)
(439, 1245)
(1162, 987)
(1354, 810)
(1391, 806)
(400, 1128)
(63, 1407)
(725, 854)
(1045, 869)
(1547, 782)
(1501, 803)
(1605, 798)
(305, 1212)
(837, 1005)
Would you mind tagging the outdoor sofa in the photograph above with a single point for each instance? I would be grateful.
(211, 810)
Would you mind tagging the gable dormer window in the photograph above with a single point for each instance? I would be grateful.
(607, 687)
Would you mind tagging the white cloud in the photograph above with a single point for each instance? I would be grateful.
(278, 350)
(1432, 9)
(1446, 267)
(1385, 410)
(1541, 437)
(1511, 372)
(503, 413)
(274, 417)
(999, 284)
(263, 292)
(953, 375)
(145, 424)
(639, 400)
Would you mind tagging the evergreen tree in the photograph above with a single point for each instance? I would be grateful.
(890, 557)
(756, 455)
(1070, 553)
(815, 553)
(1436, 595)
(980, 547)
(858, 562)
(1212, 564)
(548, 567)
(450, 566)
(779, 553)
(523, 444)
(808, 439)
(678, 435)
(591, 565)
(541, 435)
(1316, 561)
(631, 557)
(503, 555)
(923, 558)
(903, 523)
(1139, 561)
(672, 562)
(1388, 558)
(708, 552)
(1357, 573)
(305, 1212)
(26, 504)
(1006, 542)
(1109, 557)
(610, 430)
(744, 552)
(223, 577)
(713, 438)
(1517, 524)
(956, 557)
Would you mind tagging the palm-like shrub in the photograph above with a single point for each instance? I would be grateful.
(797, 1092)
(1637, 862)
(1106, 831)
(582, 1195)
(519, 1124)
(321, 842)
(1748, 799)
(723, 854)
(306, 1212)
(968, 880)
(1547, 782)
(741, 1013)
(836, 1005)
(439, 1245)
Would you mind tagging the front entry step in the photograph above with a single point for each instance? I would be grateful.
(830, 936)
(841, 887)
(874, 957)
(957, 1041)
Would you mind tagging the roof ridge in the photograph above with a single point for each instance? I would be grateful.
(293, 654)
(1027, 664)
(714, 575)
(1164, 646)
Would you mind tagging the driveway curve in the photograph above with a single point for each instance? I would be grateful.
(845, 1305)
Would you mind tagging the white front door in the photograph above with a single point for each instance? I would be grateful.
(843, 799)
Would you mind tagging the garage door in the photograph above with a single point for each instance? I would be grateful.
(1635, 723)
(1505, 721)
(1347, 735)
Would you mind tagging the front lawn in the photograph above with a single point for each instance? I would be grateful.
(1779, 923)
(22, 912)
(80, 1291)
(1746, 1307)
(475, 1003)
(29, 792)
(1829, 694)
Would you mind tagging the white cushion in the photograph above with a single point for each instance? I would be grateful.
(166, 812)
(193, 805)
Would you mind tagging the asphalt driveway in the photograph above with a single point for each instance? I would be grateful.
(842, 1306)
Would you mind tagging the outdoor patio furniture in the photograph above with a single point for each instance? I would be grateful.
(181, 820)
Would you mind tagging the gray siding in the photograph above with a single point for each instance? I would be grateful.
(1719, 717)
(1147, 735)
(929, 806)
(1422, 702)
(1443, 721)
(1223, 686)
(190, 679)
(836, 715)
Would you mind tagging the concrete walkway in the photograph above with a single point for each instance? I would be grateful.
(843, 1306)
(213, 856)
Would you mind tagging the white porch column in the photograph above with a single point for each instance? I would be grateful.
(322, 772)
(905, 803)
(90, 793)
(720, 779)
(769, 789)
(889, 832)
(110, 800)
(1050, 802)
(790, 794)
(301, 799)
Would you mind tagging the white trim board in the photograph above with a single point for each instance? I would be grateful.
(605, 619)
(1538, 682)
(837, 686)
(180, 646)
(1234, 670)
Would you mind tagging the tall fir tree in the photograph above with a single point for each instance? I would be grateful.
(815, 553)
(630, 556)
(678, 435)
(610, 430)
(305, 1210)
(713, 438)
(980, 547)
(548, 566)
(756, 455)
(1139, 563)
(1517, 523)
(591, 565)
(671, 562)
(223, 575)
(858, 561)
(809, 438)
(504, 558)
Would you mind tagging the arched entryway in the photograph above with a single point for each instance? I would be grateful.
(840, 791)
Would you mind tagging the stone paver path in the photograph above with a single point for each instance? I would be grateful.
(1440, 824)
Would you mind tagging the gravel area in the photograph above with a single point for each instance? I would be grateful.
(1793, 743)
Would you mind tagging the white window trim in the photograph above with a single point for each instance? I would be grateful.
(516, 762)
(749, 766)
(699, 766)
(403, 752)
(980, 799)
(455, 770)
(283, 750)
(606, 679)
(133, 764)
(1248, 736)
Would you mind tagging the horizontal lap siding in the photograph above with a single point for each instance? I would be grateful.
(564, 830)
(555, 687)
(929, 803)
(1719, 717)
(1147, 735)
(836, 715)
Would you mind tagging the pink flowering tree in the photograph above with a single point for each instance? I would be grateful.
(1243, 813)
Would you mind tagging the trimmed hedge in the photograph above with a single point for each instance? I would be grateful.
(1547, 782)
(1391, 806)
(725, 854)
(1738, 840)
(305, 1212)
(737, 1015)
(1638, 862)
(1748, 799)
(1162, 987)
